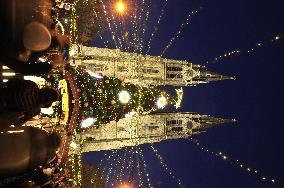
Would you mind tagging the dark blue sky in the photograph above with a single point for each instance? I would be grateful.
(255, 99)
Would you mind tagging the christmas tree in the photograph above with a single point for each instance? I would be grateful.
(104, 99)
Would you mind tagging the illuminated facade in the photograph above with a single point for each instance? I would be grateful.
(143, 69)
(150, 128)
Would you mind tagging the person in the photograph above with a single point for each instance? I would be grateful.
(22, 44)
(24, 96)
(25, 149)
(37, 42)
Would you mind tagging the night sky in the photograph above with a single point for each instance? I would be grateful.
(255, 99)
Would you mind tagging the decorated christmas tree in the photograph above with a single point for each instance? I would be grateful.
(104, 99)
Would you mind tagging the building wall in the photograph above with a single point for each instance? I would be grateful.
(142, 129)
(136, 68)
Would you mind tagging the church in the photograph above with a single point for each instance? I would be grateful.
(145, 70)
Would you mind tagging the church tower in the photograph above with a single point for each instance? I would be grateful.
(143, 69)
(147, 128)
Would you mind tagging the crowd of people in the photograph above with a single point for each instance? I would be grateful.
(29, 45)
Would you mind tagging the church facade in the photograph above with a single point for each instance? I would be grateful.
(143, 69)
(147, 128)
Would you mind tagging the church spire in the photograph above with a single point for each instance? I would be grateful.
(205, 121)
(205, 76)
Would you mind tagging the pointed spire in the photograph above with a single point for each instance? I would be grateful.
(206, 122)
(205, 76)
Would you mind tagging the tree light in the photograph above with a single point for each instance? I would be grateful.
(88, 122)
(162, 101)
(73, 145)
(124, 97)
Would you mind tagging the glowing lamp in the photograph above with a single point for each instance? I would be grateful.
(88, 122)
(162, 101)
(120, 7)
(124, 97)
(125, 186)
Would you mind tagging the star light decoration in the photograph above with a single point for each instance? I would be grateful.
(124, 97)
(179, 97)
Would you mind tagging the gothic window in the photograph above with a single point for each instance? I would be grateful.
(177, 129)
(150, 70)
(171, 75)
(174, 68)
(122, 69)
(120, 129)
(155, 71)
(174, 122)
(174, 76)
(151, 127)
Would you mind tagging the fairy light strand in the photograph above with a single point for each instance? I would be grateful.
(251, 50)
(109, 25)
(145, 167)
(165, 166)
(105, 41)
(139, 25)
(156, 27)
(111, 167)
(138, 167)
(178, 33)
(116, 31)
(122, 167)
(144, 28)
(107, 163)
(237, 163)
(117, 166)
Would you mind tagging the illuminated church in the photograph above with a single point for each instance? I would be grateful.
(145, 70)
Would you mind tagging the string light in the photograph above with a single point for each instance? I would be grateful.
(145, 167)
(116, 31)
(178, 33)
(138, 168)
(244, 51)
(122, 167)
(73, 23)
(111, 167)
(105, 168)
(156, 27)
(144, 28)
(165, 166)
(235, 163)
(109, 25)
(105, 41)
(130, 164)
(115, 174)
